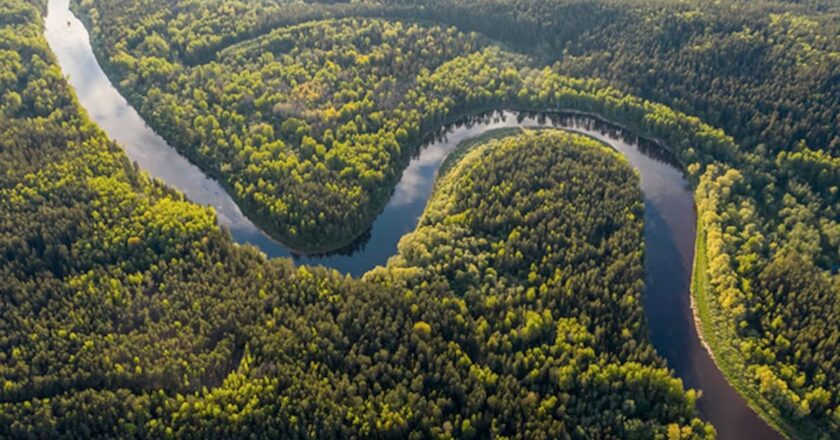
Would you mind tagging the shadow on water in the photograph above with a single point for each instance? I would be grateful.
(669, 210)
(357, 246)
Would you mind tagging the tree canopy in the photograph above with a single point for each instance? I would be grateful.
(122, 294)
(129, 313)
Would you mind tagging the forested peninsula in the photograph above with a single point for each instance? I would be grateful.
(130, 313)
(513, 310)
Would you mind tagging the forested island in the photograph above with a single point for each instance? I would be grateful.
(513, 310)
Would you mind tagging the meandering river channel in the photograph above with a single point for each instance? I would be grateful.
(669, 230)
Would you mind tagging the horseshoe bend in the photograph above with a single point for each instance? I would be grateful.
(419, 218)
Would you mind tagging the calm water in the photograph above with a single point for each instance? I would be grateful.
(669, 212)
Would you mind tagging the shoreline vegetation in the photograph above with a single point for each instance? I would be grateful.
(710, 324)
(702, 311)
(587, 98)
(129, 313)
(765, 277)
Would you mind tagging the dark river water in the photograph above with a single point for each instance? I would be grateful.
(669, 212)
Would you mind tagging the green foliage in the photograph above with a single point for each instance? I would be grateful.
(764, 72)
(535, 240)
(128, 313)
(309, 126)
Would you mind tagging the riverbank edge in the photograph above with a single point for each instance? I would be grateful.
(260, 221)
(702, 312)
(707, 315)
(379, 198)
(264, 223)
(715, 332)
(456, 157)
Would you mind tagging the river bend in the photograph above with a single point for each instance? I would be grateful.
(669, 219)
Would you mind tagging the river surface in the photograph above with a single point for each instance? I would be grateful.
(669, 229)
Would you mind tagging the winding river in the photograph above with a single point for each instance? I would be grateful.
(670, 217)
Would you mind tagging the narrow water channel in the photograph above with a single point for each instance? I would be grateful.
(669, 230)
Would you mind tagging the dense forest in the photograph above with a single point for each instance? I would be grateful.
(728, 62)
(766, 73)
(128, 313)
